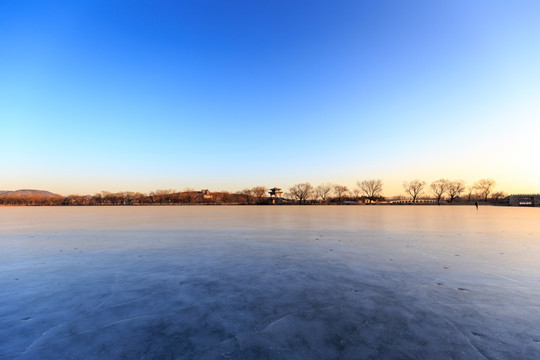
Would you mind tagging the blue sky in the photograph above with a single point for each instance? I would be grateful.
(118, 95)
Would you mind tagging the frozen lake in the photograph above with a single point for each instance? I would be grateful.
(348, 282)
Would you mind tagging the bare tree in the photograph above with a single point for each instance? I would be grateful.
(470, 192)
(97, 199)
(288, 196)
(498, 195)
(163, 196)
(484, 187)
(340, 191)
(355, 193)
(190, 195)
(372, 188)
(139, 198)
(414, 188)
(128, 197)
(226, 198)
(106, 197)
(259, 192)
(248, 195)
(323, 191)
(439, 187)
(455, 188)
(302, 192)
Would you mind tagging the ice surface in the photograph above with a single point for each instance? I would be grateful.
(346, 282)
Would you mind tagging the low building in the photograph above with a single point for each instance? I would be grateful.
(206, 194)
(524, 200)
(410, 202)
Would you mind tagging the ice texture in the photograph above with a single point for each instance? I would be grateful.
(270, 282)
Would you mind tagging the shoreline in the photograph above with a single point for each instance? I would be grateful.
(267, 205)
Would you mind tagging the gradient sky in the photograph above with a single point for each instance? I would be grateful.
(132, 95)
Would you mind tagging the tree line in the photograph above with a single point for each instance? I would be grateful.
(480, 190)
(365, 191)
(254, 196)
(370, 191)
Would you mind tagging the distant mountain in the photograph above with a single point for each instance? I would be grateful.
(27, 192)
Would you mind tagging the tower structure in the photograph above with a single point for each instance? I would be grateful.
(275, 195)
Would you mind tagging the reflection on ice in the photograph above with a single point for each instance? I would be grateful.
(269, 282)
